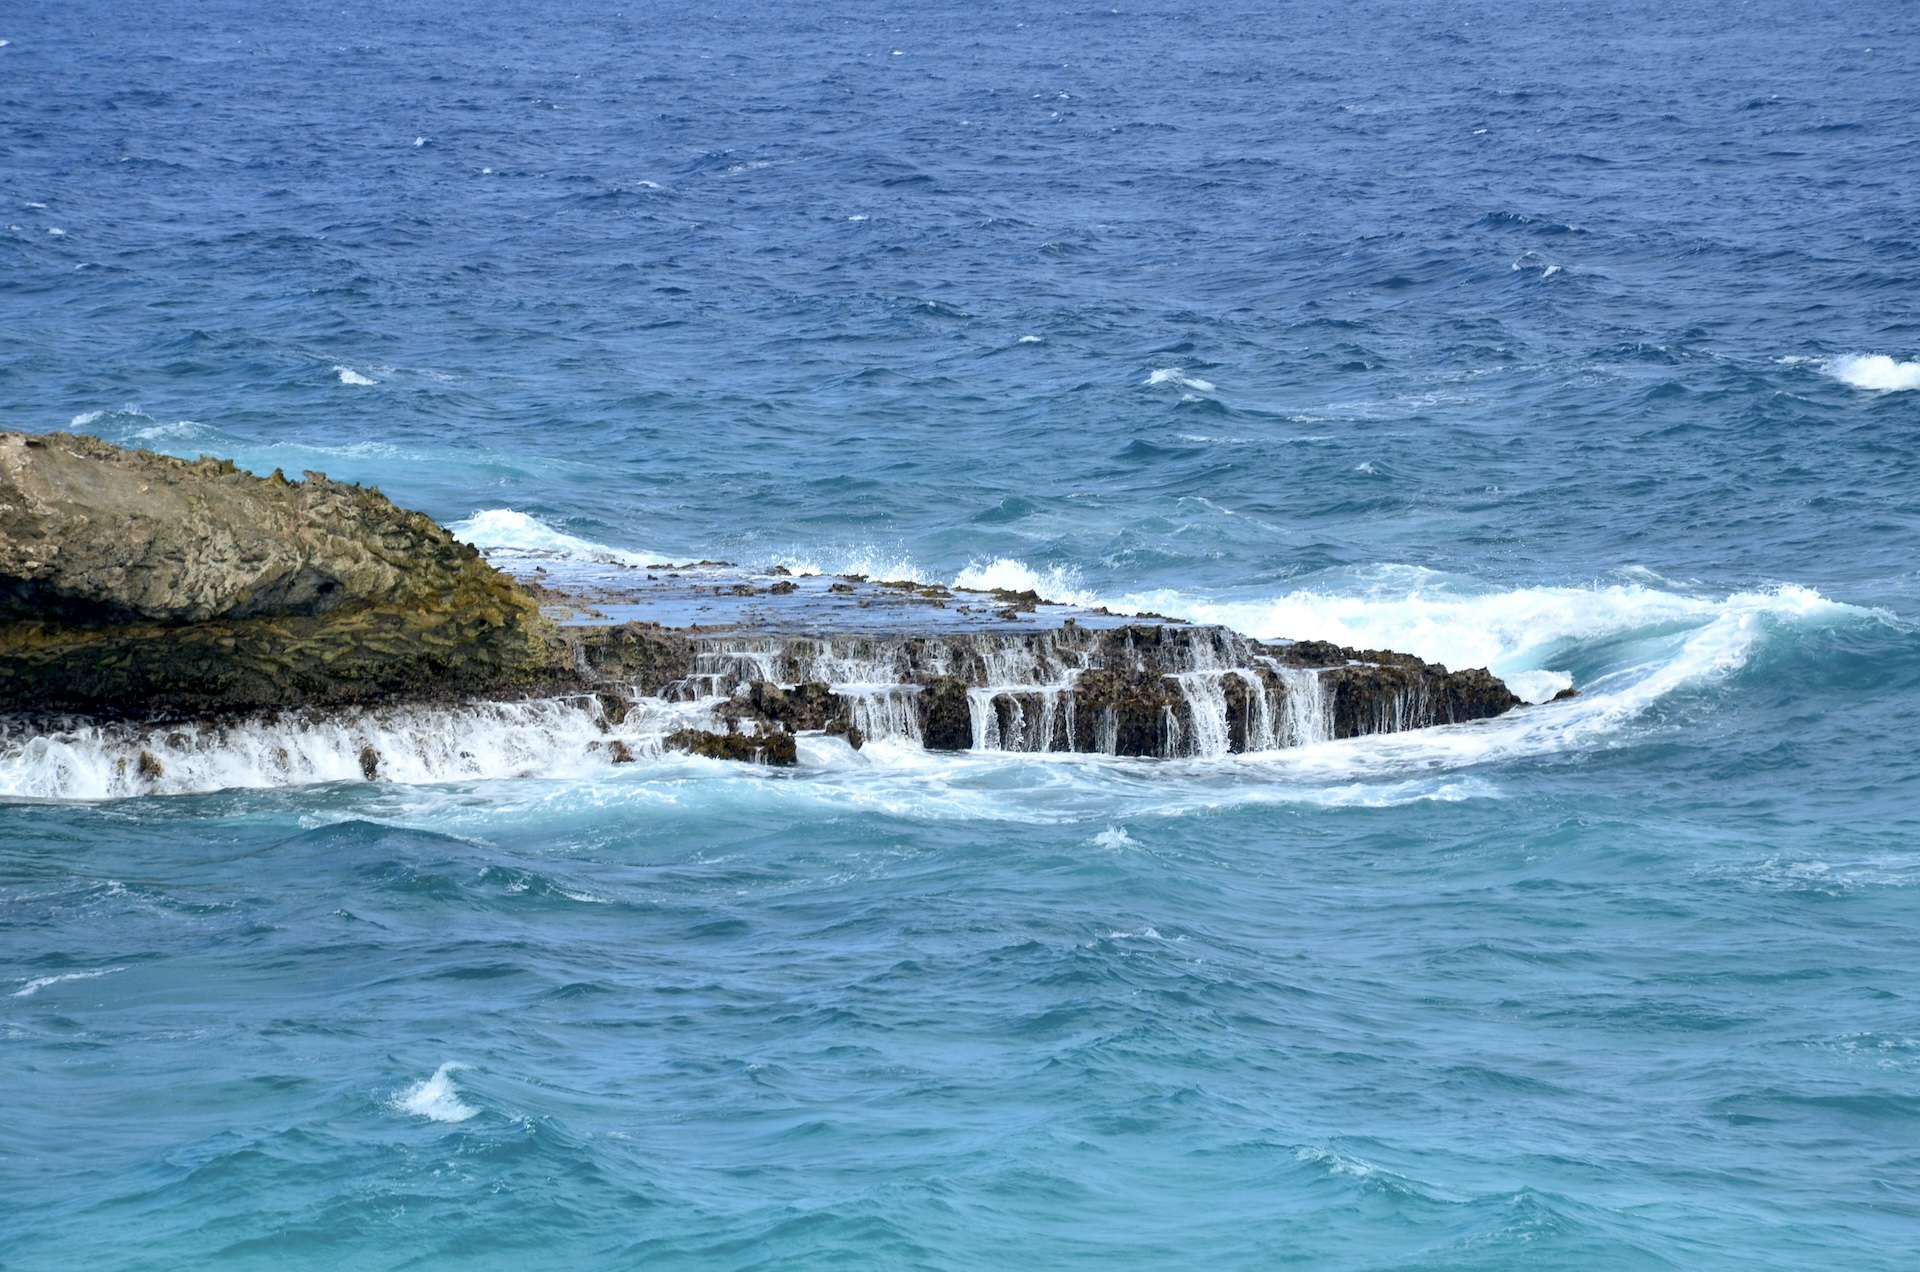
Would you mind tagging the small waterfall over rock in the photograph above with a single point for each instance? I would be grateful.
(1139, 689)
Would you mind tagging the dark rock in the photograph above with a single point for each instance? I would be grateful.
(1564, 694)
(619, 752)
(783, 588)
(613, 708)
(150, 767)
(946, 724)
(369, 763)
(766, 748)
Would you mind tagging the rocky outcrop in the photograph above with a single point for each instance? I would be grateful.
(146, 588)
(131, 582)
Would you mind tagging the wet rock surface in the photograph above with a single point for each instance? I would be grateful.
(136, 586)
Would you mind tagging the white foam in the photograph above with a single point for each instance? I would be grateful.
(870, 560)
(56, 231)
(1874, 371)
(1054, 583)
(1366, 466)
(547, 738)
(1113, 838)
(418, 142)
(39, 983)
(509, 532)
(1179, 376)
(349, 376)
(435, 1098)
(857, 217)
(1422, 612)
(1028, 340)
(1538, 685)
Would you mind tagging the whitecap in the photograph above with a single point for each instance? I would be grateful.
(1028, 340)
(1365, 466)
(868, 560)
(1179, 376)
(39, 983)
(418, 142)
(511, 533)
(435, 1098)
(1874, 371)
(1113, 838)
(858, 216)
(349, 376)
(1054, 583)
(56, 231)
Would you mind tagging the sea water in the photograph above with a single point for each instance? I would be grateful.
(1580, 344)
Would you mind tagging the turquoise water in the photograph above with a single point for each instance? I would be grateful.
(1584, 346)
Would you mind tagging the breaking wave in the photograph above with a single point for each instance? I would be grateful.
(435, 1098)
(506, 533)
(1874, 371)
(1178, 376)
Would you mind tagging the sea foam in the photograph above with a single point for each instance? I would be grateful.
(39, 983)
(506, 531)
(435, 1098)
(1875, 371)
(349, 376)
(1179, 376)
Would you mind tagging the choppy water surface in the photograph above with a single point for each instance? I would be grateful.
(1585, 346)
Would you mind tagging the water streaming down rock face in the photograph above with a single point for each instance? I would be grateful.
(1141, 689)
(1146, 690)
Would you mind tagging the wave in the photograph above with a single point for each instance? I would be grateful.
(435, 1098)
(1179, 376)
(1511, 632)
(1874, 371)
(349, 376)
(39, 983)
(505, 532)
(1053, 583)
(868, 560)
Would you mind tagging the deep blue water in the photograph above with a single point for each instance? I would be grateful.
(1583, 343)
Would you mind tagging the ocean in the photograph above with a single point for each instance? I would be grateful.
(1577, 342)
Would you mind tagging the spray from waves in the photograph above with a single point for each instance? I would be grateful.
(1053, 583)
(1514, 633)
(435, 1098)
(506, 533)
(1660, 658)
(1874, 371)
(349, 376)
(870, 560)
